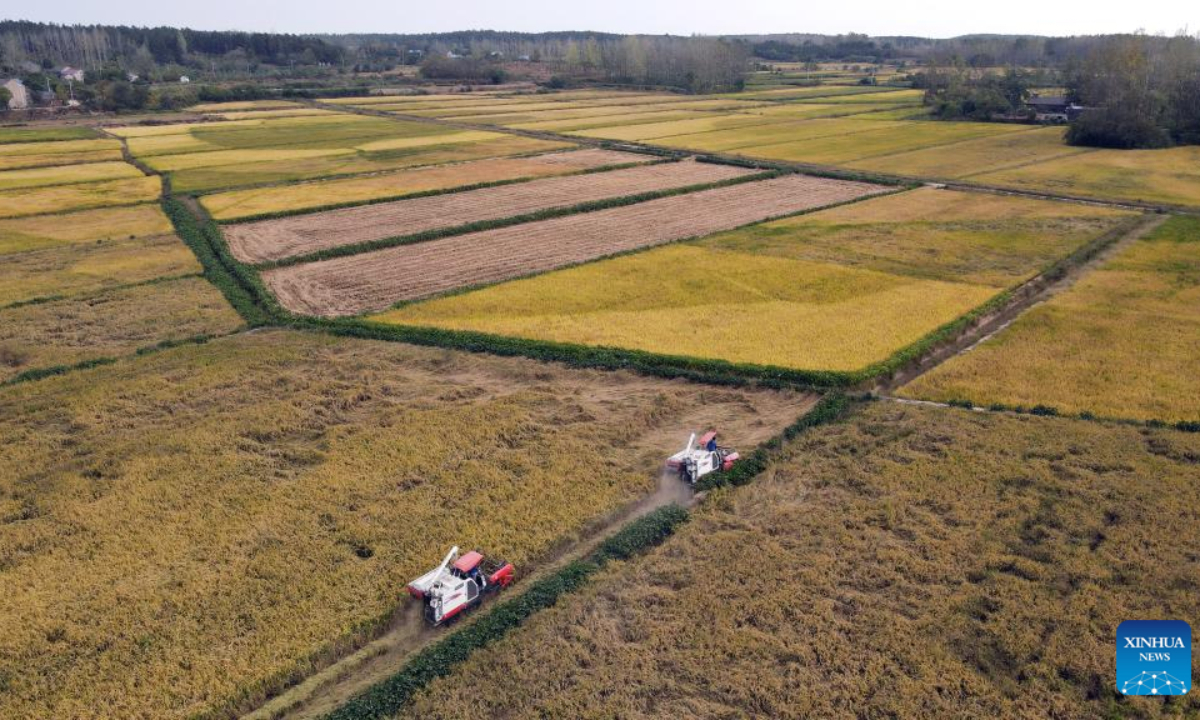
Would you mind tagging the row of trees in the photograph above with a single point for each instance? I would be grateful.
(1139, 91)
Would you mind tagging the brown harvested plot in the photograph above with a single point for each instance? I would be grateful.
(376, 280)
(288, 237)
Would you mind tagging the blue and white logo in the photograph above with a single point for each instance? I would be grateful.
(1154, 657)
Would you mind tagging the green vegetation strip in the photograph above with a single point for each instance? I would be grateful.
(481, 225)
(241, 287)
(440, 658)
(275, 215)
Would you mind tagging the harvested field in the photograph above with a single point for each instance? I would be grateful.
(373, 281)
(86, 267)
(904, 563)
(110, 323)
(245, 203)
(185, 530)
(286, 237)
(1124, 341)
(43, 231)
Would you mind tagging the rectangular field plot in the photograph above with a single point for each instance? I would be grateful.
(66, 174)
(973, 157)
(110, 323)
(79, 196)
(77, 268)
(242, 506)
(258, 201)
(1170, 176)
(286, 237)
(37, 154)
(43, 231)
(838, 289)
(46, 133)
(1124, 341)
(376, 280)
(981, 552)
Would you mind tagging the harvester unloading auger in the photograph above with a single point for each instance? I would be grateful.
(459, 584)
(698, 459)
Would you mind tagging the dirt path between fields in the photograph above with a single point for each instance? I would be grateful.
(745, 417)
(1030, 293)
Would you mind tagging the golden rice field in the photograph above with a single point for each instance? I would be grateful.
(1124, 341)
(236, 105)
(906, 562)
(717, 304)
(975, 157)
(227, 511)
(64, 152)
(837, 289)
(1170, 176)
(46, 133)
(76, 268)
(255, 201)
(977, 238)
(110, 323)
(44, 231)
(65, 174)
(79, 196)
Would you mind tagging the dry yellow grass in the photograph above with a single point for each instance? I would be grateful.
(43, 231)
(708, 303)
(1123, 342)
(226, 511)
(64, 174)
(78, 268)
(110, 323)
(906, 563)
(64, 198)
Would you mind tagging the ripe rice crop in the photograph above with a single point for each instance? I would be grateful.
(375, 280)
(65, 174)
(110, 323)
(206, 179)
(880, 558)
(1085, 350)
(46, 133)
(228, 511)
(236, 105)
(43, 231)
(64, 198)
(837, 289)
(88, 267)
(721, 305)
(257, 201)
(38, 154)
(768, 132)
(286, 237)
(970, 158)
(1170, 176)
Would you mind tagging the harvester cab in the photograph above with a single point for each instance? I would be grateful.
(698, 459)
(459, 584)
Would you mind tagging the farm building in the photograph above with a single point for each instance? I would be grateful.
(1053, 108)
(71, 73)
(19, 99)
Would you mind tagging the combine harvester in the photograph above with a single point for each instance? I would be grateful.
(450, 589)
(699, 459)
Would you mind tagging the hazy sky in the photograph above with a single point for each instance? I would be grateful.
(682, 17)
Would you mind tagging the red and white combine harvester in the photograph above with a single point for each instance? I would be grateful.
(701, 458)
(459, 584)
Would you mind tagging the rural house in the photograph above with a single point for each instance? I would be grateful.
(70, 73)
(19, 99)
(1052, 108)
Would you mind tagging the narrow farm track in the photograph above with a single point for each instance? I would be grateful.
(346, 676)
(1030, 293)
